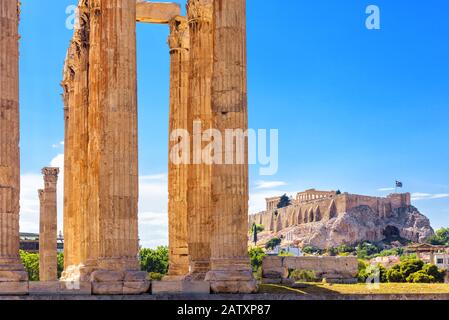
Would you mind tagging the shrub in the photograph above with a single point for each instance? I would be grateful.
(362, 275)
(432, 270)
(345, 249)
(60, 264)
(367, 249)
(259, 228)
(410, 266)
(394, 274)
(256, 256)
(154, 260)
(155, 276)
(303, 275)
(367, 271)
(420, 277)
(31, 263)
(441, 237)
(311, 250)
(273, 243)
(414, 271)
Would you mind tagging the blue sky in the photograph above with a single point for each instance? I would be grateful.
(356, 109)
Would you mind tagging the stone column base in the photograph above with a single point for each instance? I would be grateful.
(14, 288)
(180, 287)
(232, 281)
(198, 270)
(106, 282)
(231, 276)
(174, 278)
(13, 279)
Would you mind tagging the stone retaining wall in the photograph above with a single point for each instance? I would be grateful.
(333, 269)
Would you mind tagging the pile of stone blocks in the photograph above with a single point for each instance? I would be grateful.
(275, 270)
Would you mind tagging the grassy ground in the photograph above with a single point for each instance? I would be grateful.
(342, 289)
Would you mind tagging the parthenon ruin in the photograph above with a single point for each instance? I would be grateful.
(208, 203)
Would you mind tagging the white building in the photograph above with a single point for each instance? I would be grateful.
(441, 260)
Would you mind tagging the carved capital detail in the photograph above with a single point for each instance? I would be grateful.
(200, 10)
(41, 195)
(50, 174)
(179, 34)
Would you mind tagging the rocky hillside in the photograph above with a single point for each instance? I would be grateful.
(358, 225)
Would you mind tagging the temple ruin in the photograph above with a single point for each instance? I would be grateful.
(208, 203)
(48, 224)
(101, 180)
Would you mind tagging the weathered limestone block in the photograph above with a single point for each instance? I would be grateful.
(180, 287)
(133, 287)
(156, 12)
(136, 276)
(14, 288)
(13, 276)
(60, 288)
(107, 288)
(75, 287)
(107, 276)
(333, 269)
(44, 287)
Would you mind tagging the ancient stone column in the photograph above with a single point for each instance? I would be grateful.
(113, 151)
(12, 277)
(230, 266)
(200, 14)
(68, 89)
(48, 258)
(76, 100)
(178, 42)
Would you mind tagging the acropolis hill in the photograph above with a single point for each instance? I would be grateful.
(326, 219)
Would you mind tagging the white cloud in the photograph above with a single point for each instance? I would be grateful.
(261, 184)
(417, 196)
(58, 145)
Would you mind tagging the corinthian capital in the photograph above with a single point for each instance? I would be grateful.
(202, 10)
(179, 34)
(50, 174)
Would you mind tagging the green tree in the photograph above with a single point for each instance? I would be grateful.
(154, 260)
(441, 237)
(273, 243)
(259, 228)
(420, 277)
(394, 274)
(312, 250)
(367, 249)
(31, 263)
(410, 266)
(60, 264)
(432, 270)
(284, 202)
(256, 256)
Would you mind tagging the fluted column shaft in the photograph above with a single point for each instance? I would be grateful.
(230, 267)
(199, 182)
(112, 127)
(9, 136)
(48, 262)
(178, 172)
(76, 101)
